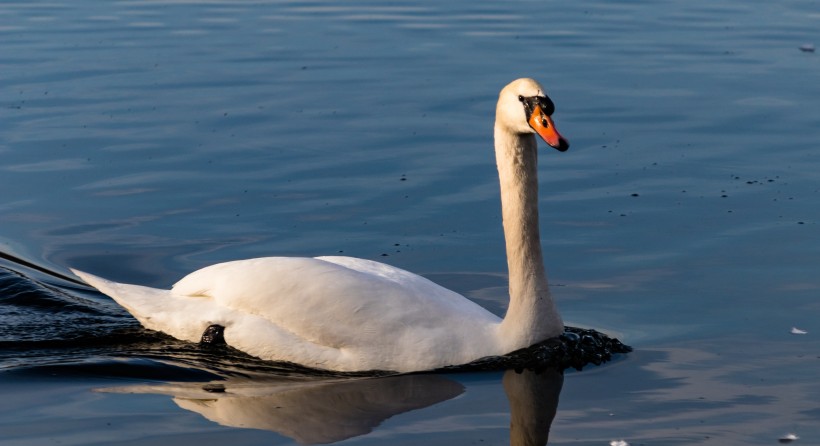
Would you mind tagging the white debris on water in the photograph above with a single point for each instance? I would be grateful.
(807, 47)
(796, 330)
(788, 438)
(618, 443)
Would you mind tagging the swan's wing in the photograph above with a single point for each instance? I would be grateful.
(338, 292)
(353, 306)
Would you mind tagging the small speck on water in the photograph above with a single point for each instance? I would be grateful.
(807, 48)
(788, 438)
(635, 195)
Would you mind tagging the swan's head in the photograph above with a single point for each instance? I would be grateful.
(524, 108)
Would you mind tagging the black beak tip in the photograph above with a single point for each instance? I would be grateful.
(563, 145)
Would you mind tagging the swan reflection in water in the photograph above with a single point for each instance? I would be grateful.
(327, 411)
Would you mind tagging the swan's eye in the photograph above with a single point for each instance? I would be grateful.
(521, 98)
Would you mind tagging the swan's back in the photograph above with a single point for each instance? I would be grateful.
(352, 294)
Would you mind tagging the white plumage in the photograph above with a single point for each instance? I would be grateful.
(336, 313)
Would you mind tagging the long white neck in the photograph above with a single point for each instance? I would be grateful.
(532, 316)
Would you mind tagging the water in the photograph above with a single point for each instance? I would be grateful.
(142, 140)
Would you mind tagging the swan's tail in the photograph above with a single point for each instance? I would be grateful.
(156, 309)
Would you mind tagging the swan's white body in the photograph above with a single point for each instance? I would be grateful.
(349, 314)
(335, 313)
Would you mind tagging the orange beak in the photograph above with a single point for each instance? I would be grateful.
(545, 128)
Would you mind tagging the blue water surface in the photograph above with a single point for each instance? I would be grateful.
(141, 140)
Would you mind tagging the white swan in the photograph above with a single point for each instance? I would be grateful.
(349, 314)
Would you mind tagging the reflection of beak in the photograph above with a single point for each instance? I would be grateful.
(544, 126)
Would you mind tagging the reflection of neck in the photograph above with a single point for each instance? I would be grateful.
(533, 403)
(532, 315)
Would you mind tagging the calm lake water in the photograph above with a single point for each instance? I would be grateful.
(141, 140)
